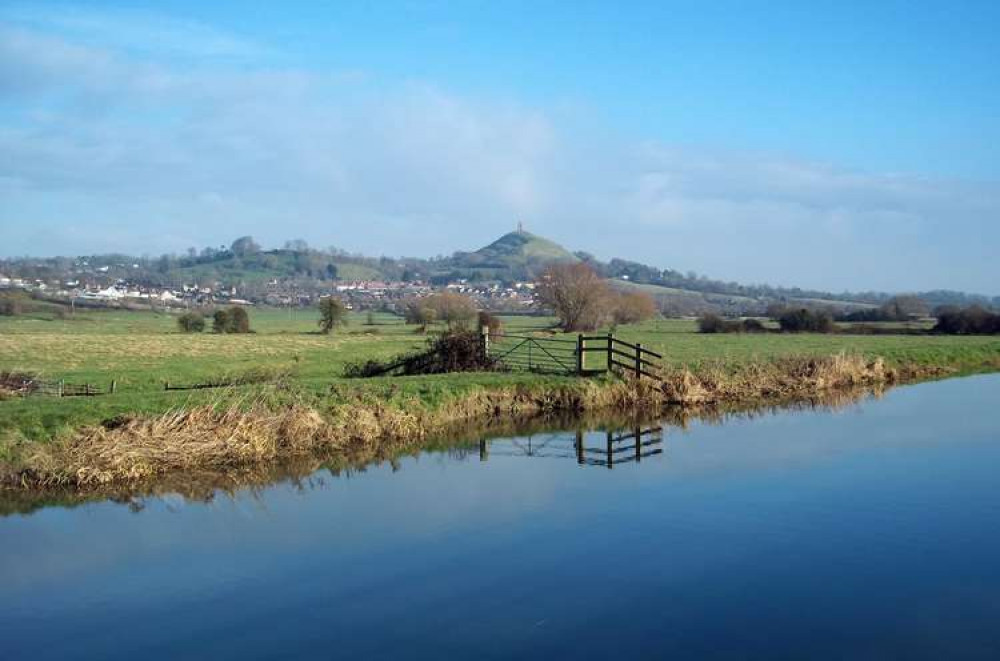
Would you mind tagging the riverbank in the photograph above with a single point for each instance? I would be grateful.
(289, 398)
(246, 430)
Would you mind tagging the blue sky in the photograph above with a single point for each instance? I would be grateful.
(832, 145)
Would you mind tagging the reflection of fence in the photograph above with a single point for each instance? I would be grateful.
(585, 355)
(617, 448)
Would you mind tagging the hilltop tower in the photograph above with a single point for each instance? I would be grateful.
(520, 228)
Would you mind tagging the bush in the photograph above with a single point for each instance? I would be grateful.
(332, 312)
(191, 322)
(10, 306)
(454, 351)
(232, 320)
(713, 323)
(974, 320)
(633, 307)
(220, 321)
(804, 320)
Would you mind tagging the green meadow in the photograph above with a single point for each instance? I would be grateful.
(143, 350)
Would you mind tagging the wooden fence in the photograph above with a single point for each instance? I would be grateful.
(64, 389)
(583, 356)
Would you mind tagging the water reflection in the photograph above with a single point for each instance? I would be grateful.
(619, 447)
(620, 438)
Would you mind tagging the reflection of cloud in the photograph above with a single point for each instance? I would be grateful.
(107, 134)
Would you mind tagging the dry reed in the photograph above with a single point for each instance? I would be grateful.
(245, 435)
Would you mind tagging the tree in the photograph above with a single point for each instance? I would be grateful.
(633, 307)
(417, 311)
(903, 308)
(452, 308)
(576, 294)
(332, 312)
(245, 245)
(191, 322)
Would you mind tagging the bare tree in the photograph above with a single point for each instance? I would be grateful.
(577, 295)
(454, 309)
(633, 307)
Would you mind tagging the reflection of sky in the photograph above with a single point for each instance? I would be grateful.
(735, 529)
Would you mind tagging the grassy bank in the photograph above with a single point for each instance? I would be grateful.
(305, 406)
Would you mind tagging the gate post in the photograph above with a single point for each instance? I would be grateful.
(579, 354)
(638, 360)
(485, 341)
(611, 343)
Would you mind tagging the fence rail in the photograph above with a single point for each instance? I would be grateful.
(64, 389)
(606, 353)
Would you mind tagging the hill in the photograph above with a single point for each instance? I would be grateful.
(514, 256)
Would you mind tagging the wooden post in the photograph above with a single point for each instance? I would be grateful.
(61, 382)
(638, 360)
(485, 341)
(114, 387)
(611, 344)
(86, 390)
(166, 385)
(579, 354)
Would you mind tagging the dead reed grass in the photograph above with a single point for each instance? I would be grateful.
(243, 435)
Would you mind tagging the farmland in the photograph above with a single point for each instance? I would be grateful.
(143, 350)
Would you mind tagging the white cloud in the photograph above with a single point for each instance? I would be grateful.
(113, 139)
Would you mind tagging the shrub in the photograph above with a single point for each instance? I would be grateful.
(713, 323)
(804, 320)
(10, 306)
(633, 307)
(454, 351)
(191, 322)
(332, 312)
(231, 320)
(974, 320)
(220, 321)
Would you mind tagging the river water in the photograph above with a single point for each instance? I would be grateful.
(870, 531)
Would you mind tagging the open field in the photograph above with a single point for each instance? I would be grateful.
(142, 350)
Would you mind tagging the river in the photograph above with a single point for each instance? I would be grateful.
(866, 531)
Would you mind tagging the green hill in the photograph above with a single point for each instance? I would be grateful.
(518, 248)
(517, 255)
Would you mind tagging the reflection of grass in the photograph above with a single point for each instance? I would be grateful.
(141, 350)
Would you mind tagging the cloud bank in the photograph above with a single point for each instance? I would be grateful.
(107, 145)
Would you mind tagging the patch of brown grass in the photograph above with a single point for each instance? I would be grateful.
(244, 435)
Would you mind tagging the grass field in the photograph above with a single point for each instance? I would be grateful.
(142, 350)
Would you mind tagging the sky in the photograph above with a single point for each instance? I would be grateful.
(830, 145)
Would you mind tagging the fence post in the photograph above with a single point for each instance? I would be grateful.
(638, 360)
(486, 340)
(611, 344)
(166, 385)
(114, 387)
(579, 354)
(61, 381)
